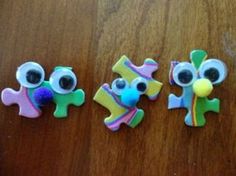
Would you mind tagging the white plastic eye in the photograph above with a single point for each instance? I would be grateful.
(140, 84)
(118, 85)
(214, 70)
(63, 81)
(30, 75)
(184, 74)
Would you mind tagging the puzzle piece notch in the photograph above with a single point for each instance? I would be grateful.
(175, 102)
(127, 70)
(21, 98)
(184, 101)
(119, 113)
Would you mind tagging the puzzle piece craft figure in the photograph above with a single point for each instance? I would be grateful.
(125, 92)
(35, 92)
(197, 80)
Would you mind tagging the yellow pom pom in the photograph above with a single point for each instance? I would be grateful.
(202, 87)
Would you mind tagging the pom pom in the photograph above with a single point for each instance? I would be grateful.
(202, 87)
(130, 97)
(43, 96)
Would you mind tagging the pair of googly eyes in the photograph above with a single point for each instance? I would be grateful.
(32, 75)
(120, 84)
(184, 74)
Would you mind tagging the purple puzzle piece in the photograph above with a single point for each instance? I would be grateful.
(21, 98)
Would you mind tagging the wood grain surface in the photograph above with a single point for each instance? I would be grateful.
(90, 36)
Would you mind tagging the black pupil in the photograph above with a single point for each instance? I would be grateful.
(212, 74)
(120, 84)
(185, 76)
(33, 76)
(141, 87)
(66, 82)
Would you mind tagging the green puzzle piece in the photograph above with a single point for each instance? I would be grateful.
(62, 102)
(204, 105)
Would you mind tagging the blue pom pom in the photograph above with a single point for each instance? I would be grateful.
(130, 97)
(43, 96)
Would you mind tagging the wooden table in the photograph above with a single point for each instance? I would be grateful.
(90, 36)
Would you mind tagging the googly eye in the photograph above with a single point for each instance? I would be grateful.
(63, 81)
(30, 75)
(214, 70)
(140, 84)
(184, 74)
(118, 85)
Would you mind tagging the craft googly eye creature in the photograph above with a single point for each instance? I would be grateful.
(197, 80)
(35, 92)
(123, 95)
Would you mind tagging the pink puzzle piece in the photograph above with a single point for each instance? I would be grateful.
(21, 98)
